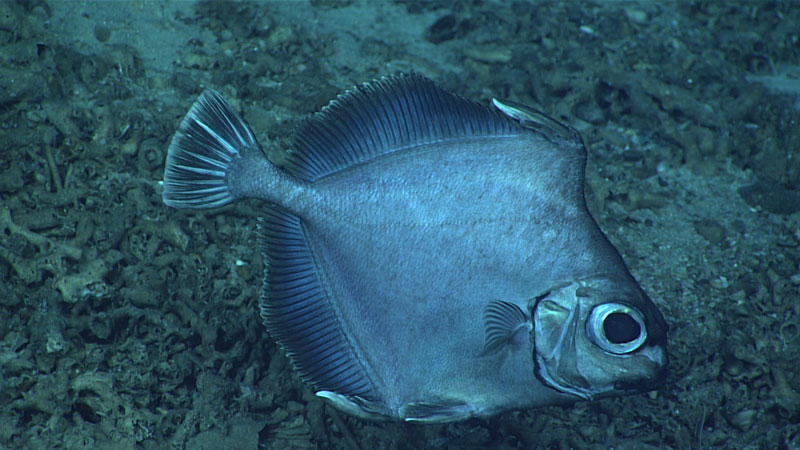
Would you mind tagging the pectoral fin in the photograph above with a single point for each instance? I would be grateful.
(502, 322)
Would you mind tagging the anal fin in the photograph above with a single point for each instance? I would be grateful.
(298, 313)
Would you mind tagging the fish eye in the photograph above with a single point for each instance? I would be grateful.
(616, 328)
(620, 328)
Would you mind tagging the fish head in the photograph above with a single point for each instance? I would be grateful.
(598, 337)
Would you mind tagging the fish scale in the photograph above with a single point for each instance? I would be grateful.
(429, 258)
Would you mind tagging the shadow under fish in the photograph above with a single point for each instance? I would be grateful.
(429, 258)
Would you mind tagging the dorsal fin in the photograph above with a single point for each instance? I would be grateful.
(384, 116)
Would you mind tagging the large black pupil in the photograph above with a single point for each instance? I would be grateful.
(621, 328)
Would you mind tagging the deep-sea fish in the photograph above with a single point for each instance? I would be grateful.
(428, 258)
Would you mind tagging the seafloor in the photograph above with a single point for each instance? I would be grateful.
(125, 324)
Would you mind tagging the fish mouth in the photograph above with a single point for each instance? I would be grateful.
(655, 382)
(638, 387)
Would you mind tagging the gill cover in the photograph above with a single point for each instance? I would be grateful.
(593, 337)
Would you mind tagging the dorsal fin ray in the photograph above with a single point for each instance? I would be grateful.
(385, 116)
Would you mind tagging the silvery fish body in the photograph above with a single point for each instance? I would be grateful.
(429, 258)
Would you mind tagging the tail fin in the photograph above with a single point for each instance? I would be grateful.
(209, 139)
